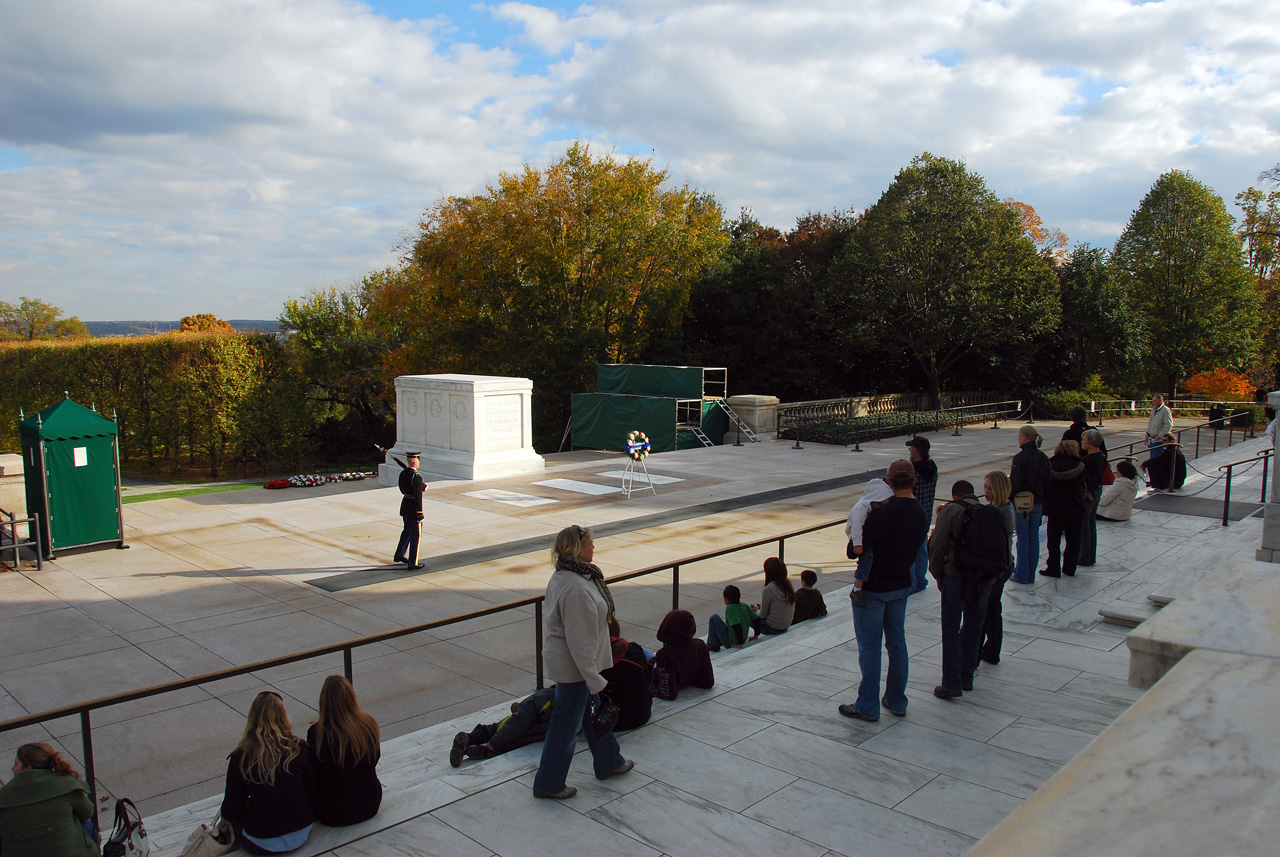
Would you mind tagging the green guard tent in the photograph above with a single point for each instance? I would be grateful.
(72, 468)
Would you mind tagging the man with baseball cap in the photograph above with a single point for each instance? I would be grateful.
(895, 532)
(926, 489)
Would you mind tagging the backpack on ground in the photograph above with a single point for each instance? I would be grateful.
(982, 547)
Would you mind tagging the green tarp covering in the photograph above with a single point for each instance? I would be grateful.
(633, 379)
(69, 462)
(603, 422)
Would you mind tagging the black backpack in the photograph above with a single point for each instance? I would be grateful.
(982, 547)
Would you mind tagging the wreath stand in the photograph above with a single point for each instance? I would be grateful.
(637, 451)
(629, 479)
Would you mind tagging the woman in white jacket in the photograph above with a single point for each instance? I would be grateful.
(1117, 498)
(576, 651)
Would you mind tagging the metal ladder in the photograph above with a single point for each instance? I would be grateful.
(738, 421)
(702, 438)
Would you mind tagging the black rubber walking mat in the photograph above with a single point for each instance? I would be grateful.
(1200, 507)
(356, 579)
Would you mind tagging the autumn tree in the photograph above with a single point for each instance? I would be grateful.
(1182, 263)
(938, 269)
(205, 323)
(34, 319)
(1051, 242)
(550, 271)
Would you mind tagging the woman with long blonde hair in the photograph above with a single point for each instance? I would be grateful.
(345, 750)
(996, 487)
(270, 782)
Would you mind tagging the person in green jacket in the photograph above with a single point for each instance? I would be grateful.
(44, 807)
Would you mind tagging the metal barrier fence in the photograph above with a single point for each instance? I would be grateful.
(84, 709)
(1265, 455)
(816, 423)
(9, 540)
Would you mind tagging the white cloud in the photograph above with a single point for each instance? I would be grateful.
(230, 155)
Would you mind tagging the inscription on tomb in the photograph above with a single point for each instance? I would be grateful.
(503, 422)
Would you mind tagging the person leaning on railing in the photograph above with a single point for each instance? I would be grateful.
(44, 807)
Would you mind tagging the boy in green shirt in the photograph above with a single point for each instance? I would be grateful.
(733, 629)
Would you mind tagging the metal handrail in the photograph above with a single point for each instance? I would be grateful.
(1265, 455)
(83, 709)
(1214, 425)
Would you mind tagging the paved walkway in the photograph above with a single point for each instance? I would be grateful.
(217, 580)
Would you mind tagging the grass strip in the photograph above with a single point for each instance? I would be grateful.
(183, 492)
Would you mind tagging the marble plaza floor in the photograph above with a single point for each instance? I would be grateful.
(761, 762)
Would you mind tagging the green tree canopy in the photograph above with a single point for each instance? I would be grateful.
(759, 310)
(587, 260)
(1100, 332)
(35, 319)
(1260, 233)
(1182, 264)
(341, 351)
(939, 268)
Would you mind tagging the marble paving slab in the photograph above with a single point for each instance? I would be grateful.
(639, 476)
(858, 828)
(511, 498)
(578, 487)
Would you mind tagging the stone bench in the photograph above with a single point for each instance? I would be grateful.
(1234, 609)
(1193, 767)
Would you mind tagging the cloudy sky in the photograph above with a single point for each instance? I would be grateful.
(165, 157)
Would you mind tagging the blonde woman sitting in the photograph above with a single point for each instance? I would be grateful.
(270, 782)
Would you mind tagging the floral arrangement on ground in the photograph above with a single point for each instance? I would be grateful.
(311, 480)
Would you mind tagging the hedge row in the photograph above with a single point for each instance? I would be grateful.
(210, 397)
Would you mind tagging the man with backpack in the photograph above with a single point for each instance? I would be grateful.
(968, 551)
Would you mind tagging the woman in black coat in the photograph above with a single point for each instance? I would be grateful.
(1064, 508)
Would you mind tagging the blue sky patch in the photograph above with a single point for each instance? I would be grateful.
(948, 58)
(13, 159)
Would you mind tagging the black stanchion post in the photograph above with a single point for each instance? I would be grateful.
(537, 643)
(1226, 496)
(86, 742)
(346, 665)
(1266, 459)
(675, 587)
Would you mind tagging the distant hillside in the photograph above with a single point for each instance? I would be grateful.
(145, 328)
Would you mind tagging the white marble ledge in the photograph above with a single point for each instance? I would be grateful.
(1191, 768)
(1234, 609)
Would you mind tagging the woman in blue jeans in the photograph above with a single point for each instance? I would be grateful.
(576, 651)
(1029, 474)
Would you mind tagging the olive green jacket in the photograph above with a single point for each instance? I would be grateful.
(41, 814)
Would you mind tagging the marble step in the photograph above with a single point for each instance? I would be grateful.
(1127, 614)
(417, 777)
(1164, 595)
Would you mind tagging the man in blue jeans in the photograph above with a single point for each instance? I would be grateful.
(895, 532)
